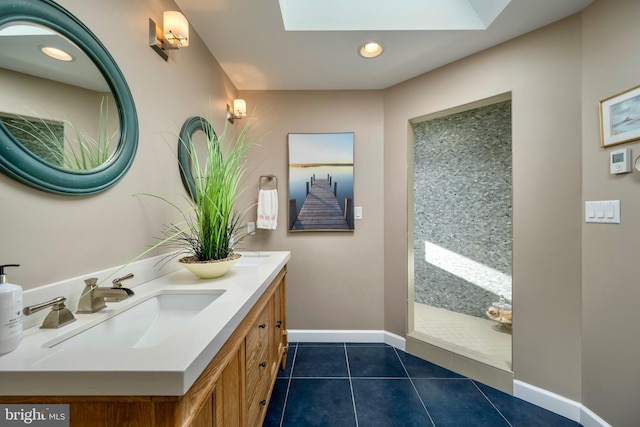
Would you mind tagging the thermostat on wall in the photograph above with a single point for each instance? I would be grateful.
(620, 161)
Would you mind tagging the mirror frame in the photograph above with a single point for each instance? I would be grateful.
(185, 147)
(21, 164)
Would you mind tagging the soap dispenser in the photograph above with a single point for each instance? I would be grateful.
(10, 313)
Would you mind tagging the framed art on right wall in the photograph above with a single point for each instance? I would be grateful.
(620, 118)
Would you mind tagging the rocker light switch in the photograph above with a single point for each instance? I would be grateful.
(357, 212)
(606, 211)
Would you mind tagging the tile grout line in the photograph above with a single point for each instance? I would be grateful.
(286, 395)
(414, 387)
(490, 402)
(320, 378)
(353, 397)
(379, 378)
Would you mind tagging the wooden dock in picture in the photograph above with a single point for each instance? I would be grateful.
(320, 210)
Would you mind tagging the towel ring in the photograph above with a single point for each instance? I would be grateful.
(268, 182)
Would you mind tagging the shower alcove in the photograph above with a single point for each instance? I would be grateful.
(460, 243)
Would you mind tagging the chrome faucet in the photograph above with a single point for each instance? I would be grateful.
(93, 297)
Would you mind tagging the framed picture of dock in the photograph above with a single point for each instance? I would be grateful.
(320, 182)
(620, 118)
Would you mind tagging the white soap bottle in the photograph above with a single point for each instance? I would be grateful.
(10, 313)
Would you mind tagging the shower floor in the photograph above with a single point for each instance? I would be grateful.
(480, 339)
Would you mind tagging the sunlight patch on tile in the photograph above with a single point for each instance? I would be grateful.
(472, 271)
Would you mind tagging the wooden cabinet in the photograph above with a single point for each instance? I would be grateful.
(232, 391)
(266, 348)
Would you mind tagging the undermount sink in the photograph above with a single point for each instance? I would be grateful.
(251, 260)
(145, 324)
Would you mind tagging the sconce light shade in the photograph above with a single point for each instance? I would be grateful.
(176, 28)
(174, 33)
(239, 108)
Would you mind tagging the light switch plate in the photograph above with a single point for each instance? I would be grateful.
(357, 212)
(603, 211)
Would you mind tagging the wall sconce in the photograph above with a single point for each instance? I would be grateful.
(239, 110)
(174, 33)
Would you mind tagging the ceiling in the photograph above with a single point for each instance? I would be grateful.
(20, 45)
(249, 40)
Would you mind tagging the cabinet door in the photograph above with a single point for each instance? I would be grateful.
(206, 414)
(229, 395)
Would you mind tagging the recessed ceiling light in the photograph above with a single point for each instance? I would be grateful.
(371, 50)
(56, 53)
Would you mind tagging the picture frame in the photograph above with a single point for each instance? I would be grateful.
(620, 118)
(321, 182)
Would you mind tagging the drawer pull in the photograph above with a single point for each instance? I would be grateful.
(262, 325)
(263, 364)
(263, 402)
(278, 323)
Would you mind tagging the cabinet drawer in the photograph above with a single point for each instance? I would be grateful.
(257, 359)
(258, 336)
(257, 373)
(259, 402)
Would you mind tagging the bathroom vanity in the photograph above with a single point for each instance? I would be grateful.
(215, 366)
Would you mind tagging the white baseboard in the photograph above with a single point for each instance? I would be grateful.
(545, 399)
(325, 335)
(395, 341)
(560, 405)
(590, 419)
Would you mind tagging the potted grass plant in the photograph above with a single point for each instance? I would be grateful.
(210, 226)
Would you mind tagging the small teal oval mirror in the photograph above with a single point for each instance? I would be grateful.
(27, 21)
(192, 147)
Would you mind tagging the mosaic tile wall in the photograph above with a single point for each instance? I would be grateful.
(462, 209)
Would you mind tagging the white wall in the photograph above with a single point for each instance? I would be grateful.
(335, 278)
(610, 268)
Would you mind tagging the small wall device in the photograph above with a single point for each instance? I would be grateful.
(620, 161)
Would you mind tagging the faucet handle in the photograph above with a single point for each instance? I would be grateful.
(57, 317)
(118, 285)
(116, 282)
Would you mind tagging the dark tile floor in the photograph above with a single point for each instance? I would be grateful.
(364, 385)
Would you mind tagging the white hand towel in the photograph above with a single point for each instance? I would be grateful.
(267, 209)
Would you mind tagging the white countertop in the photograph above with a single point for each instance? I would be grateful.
(166, 369)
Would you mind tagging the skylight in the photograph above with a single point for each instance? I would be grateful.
(389, 15)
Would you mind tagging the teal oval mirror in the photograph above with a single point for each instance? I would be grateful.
(192, 147)
(67, 125)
